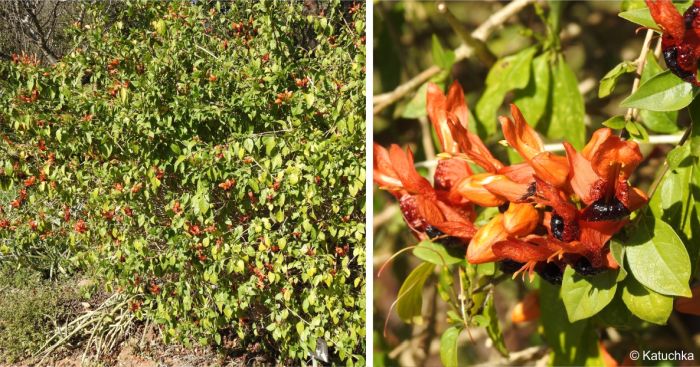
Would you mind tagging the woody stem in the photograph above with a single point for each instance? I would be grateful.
(641, 61)
(481, 33)
(462, 298)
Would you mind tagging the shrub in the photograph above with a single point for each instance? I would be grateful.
(29, 305)
(207, 158)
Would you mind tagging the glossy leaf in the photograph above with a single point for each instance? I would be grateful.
(645, 303)
(533, 100)
(615, 122)
(511, 72)
(415, 108)
(662, 122)
(617, 249)
(441, 57)
(640, 16)
(585, 296)
(663, 92)
(567, 109)
(657, 258)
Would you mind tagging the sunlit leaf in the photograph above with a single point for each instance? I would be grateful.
(657, 257)
(585, 296)
(511, 72)
(645, 303)
(663, 92)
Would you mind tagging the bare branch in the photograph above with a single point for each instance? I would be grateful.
(481, 33)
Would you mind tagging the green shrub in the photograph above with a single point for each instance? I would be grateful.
(207, 158)
(29, 306)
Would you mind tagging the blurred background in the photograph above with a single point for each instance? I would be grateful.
(594, 40)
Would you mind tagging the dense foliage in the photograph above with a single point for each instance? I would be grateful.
(603, 258)
(205, 159)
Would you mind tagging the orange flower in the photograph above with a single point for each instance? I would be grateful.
(395, 172)
(523, 138)
(554, 210)
(30, 181)
(449, 116)
(80, 226)
(679, 41)
(474, 189)
(226, 185)
(527, 309)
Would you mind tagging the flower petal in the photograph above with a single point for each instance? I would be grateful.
(520, 219)
(502, 186)
(581, 176)
(480, 248)
(520, 135)
(384, 174)
(473, 189)
(667, 17)
(456, 103)
(551, 168)
(471, 145)
(520, 251)
(436, 105)
(527, 309)
(449, 171)
(402, 163)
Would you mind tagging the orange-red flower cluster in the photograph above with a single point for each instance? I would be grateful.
(680, 41)
(553, 210)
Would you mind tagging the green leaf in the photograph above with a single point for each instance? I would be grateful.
(448, 347)
(662, 122)
(617, 250)
(640, 16)
(572, 344)
(410, 297)
(510, 72)
(441, 57)
(533, 100)
(489, 320)
(415, 108)
(617, 315)
(436, 253)
(645, 303)
(663, 92)
(615, 122)
(658, 259)
(585, 296)
(567, 109)
(637, 131)
(607, 84)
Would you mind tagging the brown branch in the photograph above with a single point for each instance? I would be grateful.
(641, 62)
(481, 33)
(480, 48)
(41, 39)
